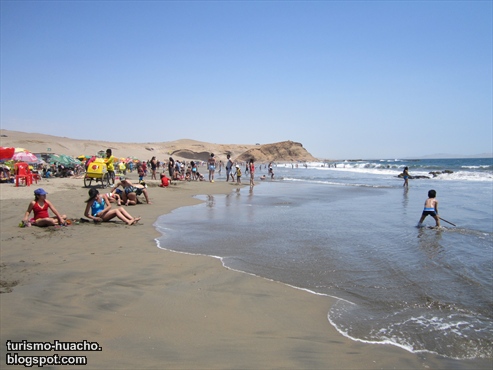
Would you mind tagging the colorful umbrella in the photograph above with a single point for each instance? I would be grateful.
(26, 156)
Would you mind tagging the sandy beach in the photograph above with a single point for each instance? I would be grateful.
(150, 308)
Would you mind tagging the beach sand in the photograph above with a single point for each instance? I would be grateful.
(150, 308)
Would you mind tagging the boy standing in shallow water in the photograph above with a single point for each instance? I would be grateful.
(431, 209)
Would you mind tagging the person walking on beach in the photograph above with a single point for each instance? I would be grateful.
(153, 168)
(211, 164)
(252, 172)
(140, 171)
(171, 167)
(99, 209)
(405, 174)
(229, 167)
(40, 206)
(431, 209)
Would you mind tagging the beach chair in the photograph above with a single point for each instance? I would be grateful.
(35, 176)
(22, 174)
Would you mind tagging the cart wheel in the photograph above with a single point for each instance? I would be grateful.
(105, 180)
(87, 181)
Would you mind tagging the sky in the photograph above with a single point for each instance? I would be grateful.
(347, 79)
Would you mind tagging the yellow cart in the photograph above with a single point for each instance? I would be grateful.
(97, 172)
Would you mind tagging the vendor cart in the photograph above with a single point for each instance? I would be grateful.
(97, 172)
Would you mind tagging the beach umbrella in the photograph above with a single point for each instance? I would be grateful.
(70, 159)
(6, 153)
(20, 150)
(64, 160)
(55, 158)
(25, 156)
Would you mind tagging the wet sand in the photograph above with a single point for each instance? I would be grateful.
(151, 308)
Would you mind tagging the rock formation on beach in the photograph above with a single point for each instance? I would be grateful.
(183, 149)
(281, 152)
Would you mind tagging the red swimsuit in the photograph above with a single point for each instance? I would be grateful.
(40, 212)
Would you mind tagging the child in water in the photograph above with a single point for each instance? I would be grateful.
(431, 209)
(238, 174)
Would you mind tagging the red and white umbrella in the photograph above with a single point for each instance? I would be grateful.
(25, 157)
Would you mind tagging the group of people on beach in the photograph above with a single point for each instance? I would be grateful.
(98, 208)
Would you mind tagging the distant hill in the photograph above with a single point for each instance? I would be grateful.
(183, 149)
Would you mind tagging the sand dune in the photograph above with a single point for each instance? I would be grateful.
(185, 149)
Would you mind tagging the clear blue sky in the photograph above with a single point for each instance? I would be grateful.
(347, 79)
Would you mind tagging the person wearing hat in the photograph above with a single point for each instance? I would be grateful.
(238, 174)
(40, 206)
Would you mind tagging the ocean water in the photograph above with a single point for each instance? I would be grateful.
(350, 232)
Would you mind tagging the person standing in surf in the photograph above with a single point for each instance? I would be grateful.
(405, 174)
(229, 167)
(252, 172)
(211, 164)
(431, 209)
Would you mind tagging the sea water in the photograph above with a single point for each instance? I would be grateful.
(348, 230)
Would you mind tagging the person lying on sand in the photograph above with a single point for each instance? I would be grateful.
(40, 206)
(114, 197)
(99, 209)
(131, 191)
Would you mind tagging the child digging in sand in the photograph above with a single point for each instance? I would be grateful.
(99, 209)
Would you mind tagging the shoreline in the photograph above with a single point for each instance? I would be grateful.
(149, 307)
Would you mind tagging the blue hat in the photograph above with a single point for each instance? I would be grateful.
(40, 191)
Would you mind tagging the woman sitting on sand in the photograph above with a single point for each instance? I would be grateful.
(39, 206)
(99, 209)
